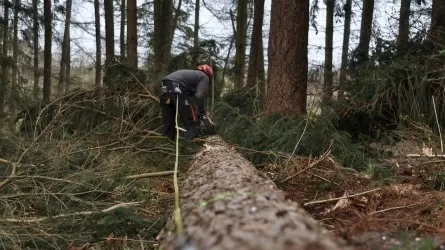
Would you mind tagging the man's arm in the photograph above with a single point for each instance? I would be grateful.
(202, 89)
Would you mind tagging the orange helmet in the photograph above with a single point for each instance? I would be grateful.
(206, 69)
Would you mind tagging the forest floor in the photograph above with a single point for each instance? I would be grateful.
(403, 205)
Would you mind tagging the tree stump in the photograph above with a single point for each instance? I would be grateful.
(227, 203)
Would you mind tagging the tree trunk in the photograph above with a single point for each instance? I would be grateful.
(109, 40)
(98, 65)
(262, 82)
(228, 204)
(345, 49)
(4, 63)
(15, 50)
(437, 29)
(403, 36)
(240, 43)
(327, 83)
(47, 56)
(162, 37)
(65, 51)
(365, 31)
(288, 61)
(122, 29)
(195, 54)
(132, 41)
(255, 46)
(35, 44)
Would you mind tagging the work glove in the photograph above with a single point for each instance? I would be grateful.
(206, 125)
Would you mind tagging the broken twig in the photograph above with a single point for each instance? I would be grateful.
(339, 198)
(140, 176)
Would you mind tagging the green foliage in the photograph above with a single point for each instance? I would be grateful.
(280, 133)
(381, 174)
(408, 243)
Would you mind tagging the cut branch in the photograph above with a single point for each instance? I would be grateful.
(339, 198)
(140, 176)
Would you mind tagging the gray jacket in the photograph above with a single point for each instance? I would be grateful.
(192, 83)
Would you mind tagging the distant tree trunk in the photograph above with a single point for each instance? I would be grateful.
(288, 60)
(345, 49)
(329, 38)
(240, 43)
(262, 81)
(365, 31)
(195, 53)
(109, 40)
(63, 78)
(437, 29)
(98, 65)
(256, 44)
(47, 56)
(4, 61)
(162, 38)
(403, 36)
(35, 44)
(176, 18)
(132, 41)
(122, 37)
(15, 50)
(227, 204)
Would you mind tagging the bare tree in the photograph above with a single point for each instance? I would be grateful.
(403, 36)
(327, 83)
(47, 56)
(288, 57)
(15, 56)
(98, 65)
(132, 41)
(345, 49)
(109, 39)
(365, 31)
(122, 28)
(256, 44)
(240, 43)
(4, 64)
(35, 44)
(66, 49)
(196, 34)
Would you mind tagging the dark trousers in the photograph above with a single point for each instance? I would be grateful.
(186, 115)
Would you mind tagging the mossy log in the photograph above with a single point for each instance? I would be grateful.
(227, 203)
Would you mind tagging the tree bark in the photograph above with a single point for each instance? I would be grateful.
(15, 50)
(227, 204)
(35, 44)
(63, 78)
(98, 65)
(195, 54)
(262, 82)
(240, 44)
(132, 41)
(4, 60)
(345, 49)
(162, 38)
(437, 29)
(288, 61)
(256, 42)
(403, 36)
(109, 40)
(365, 31)
(329, 38)
(47, 56)
(122, 29)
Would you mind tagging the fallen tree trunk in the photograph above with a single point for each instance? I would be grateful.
(227, 204)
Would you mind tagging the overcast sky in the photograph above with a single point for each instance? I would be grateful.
(386, 14)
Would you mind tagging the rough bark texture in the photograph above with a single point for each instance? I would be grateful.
(403, 36)
(262, 82)
(329, 39)
(98, 79)
(109, 40)
(345, 49)
(5, 69)
(47, 56)
(15, 56)
(288, 62)
(365, 31)
(122, 29)
(240, 43)
(35, 44)
(195, 53)
(63, 77)
(227, 204)
(255, 46)
(437, 29)
(132, 41)
(162, 39)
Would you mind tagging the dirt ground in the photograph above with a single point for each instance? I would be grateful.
(402, 207)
